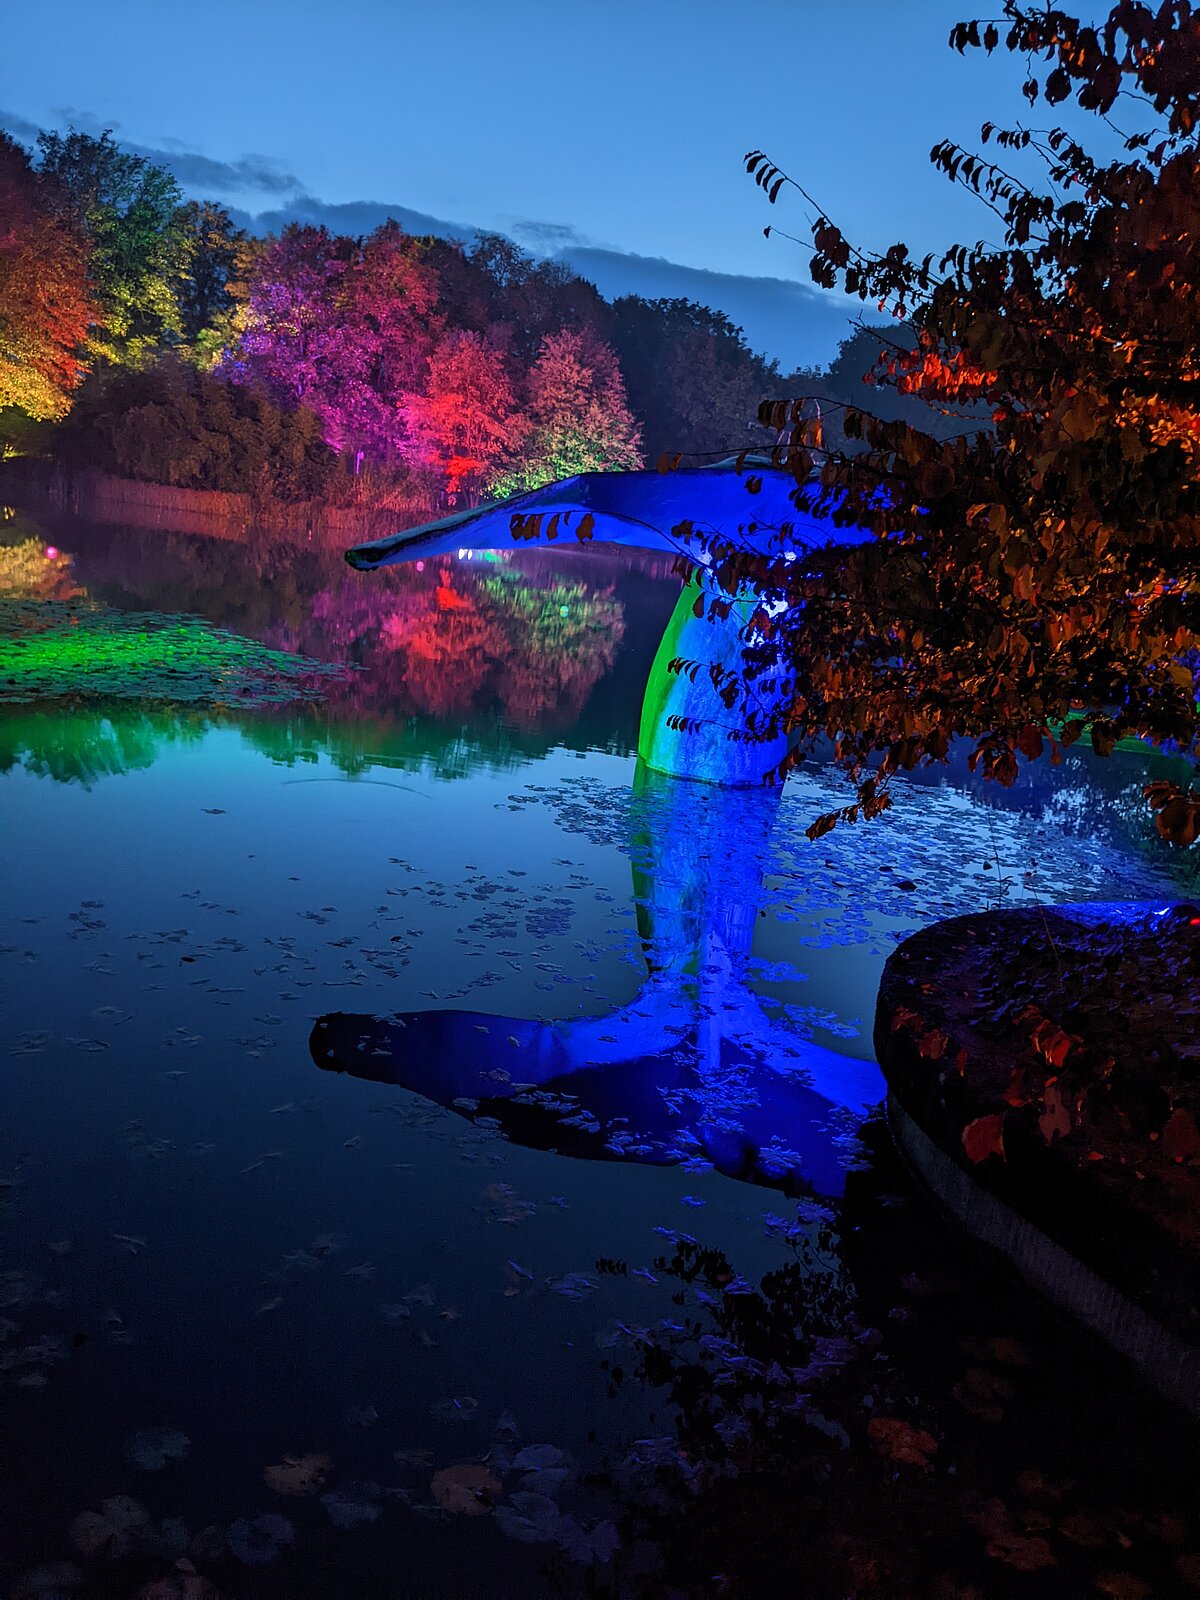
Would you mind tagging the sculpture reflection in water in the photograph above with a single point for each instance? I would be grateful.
(691, 1070)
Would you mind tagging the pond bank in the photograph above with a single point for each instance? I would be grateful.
(107, 498)
(1040, 1070)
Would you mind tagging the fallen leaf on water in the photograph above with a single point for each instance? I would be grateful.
(1122, 1586)
(346, 1509)
(119, 1526)
(1179, 1137)
(298, 1475)
(257, 1540)
(1005, 1542)
(185, 1585)
(900, 1441)
(152, 1448)
(467, 1490)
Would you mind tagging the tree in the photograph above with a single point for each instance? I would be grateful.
(172, 423)
(579, 419)
(466, 425)
(130, 210)
(45, 301)
(216, 259)
(693, 383)
(343, 326)
(497, 290)
(1039, 579)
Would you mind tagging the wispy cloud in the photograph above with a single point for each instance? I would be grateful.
(199, 174)
(544, 237)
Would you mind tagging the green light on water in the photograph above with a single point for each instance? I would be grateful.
(57, 649)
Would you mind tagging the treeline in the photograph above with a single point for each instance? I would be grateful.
(151, 338)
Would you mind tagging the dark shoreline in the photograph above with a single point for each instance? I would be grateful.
(29, 481)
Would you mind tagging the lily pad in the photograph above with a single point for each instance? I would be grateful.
(255, 1541)
(152, 1448)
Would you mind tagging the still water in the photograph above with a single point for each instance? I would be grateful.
(351, 1020)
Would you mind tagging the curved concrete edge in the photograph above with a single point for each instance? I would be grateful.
(1164, 1361)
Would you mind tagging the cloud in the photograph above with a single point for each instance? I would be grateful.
(794, 322)
(201, 175)
(544, 237)
(249, 175)
(355, 217)
(20, 127)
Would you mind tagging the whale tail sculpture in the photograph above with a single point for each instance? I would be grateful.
(687, 729)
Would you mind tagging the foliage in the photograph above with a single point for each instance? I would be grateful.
(1041, 576)
(693, 384)
(341, 326)
(73, 648)
(130, 211)
(217, 256)
(579, 420)
(466, 423)
(497, 290)
(45, 304)
(191, 429)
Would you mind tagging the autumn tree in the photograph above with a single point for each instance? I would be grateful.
(215, 261)
(579, 420)
(130, 211)
(340, 325)
(497, 289)
(45, 299)
(465, 422)
(1037, 580)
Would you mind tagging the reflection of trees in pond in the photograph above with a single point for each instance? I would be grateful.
(1088, 796)
(31, 569)
(486, 633)
(526, 637)
(76, 745)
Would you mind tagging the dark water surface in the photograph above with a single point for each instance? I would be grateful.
(559, 1010)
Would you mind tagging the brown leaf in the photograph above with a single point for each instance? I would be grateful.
(1055, 1120)
(984, 1137)
(467, 1490)
(1122, 1586)
(298, 1475)
(1180, 1138)
(900, 1441)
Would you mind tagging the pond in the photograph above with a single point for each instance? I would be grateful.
(368, 1035)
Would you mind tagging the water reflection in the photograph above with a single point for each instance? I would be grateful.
(504, 657)
(692, 1070)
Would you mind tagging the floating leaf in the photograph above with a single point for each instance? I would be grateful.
(152, 1448)
(899, 1441)
(984, 1137)
(255, 1541)
(348, 1510)
(467, 1490)
(298, 1475)
(122, 1524)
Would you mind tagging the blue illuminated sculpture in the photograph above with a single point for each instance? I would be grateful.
(692, 1069)
(686, 728)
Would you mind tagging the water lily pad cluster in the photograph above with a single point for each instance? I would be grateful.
(72, 649)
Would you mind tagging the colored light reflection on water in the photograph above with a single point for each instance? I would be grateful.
(568, 1009)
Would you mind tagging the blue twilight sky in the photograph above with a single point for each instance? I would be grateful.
(570, 124)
